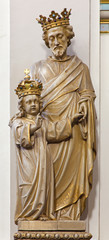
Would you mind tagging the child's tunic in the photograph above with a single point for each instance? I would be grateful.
(35, 176)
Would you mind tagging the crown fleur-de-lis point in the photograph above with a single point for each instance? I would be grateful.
(26, 71)
(27, 76)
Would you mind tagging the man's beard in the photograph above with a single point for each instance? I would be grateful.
(59, 51)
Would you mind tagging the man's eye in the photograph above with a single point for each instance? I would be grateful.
(51, 38)
(60, 35)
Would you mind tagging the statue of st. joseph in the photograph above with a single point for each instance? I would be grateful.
(67, 90)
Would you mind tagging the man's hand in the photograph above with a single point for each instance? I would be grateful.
(77, 118)
(83, 109)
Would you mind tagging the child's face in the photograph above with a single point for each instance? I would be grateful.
(31, 104)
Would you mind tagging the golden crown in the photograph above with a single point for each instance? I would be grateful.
(54, 19)
(28, 86)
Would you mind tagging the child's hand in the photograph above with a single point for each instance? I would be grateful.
(78, 117)
(38, 121)
(37, 125)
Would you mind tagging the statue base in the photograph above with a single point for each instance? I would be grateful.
(52, 230)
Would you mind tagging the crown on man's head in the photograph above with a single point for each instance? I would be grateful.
(54, 19)
(28, 86)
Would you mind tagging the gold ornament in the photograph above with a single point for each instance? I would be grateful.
(54, 19)
(28, 86)
(27, 76)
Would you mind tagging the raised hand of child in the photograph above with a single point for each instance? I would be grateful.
(38, 121)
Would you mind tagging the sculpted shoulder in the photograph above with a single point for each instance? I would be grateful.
(49, 68)
(36, 68)
(85, 67)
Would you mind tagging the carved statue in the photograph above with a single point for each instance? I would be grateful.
(67, 90)
(35, 194)
(54, 131)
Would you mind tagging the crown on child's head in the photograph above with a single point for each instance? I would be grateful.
(28, 86)
(54, 19)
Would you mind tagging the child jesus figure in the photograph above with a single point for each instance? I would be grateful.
(32, 135)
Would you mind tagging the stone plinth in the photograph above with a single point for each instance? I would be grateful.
(43, 230)
(52, 225)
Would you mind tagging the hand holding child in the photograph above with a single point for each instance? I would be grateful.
(77, 118)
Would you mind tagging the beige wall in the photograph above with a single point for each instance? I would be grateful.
(4, 118)
(27, 48)
(104, 142)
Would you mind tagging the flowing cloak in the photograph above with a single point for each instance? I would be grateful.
(66, 84)
(35, 195)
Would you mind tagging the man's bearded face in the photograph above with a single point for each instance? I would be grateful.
(57, 41)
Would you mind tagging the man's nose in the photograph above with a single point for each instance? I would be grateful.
(56, 41)
(33, 104)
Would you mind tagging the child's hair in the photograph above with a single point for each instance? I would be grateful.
(21, 112)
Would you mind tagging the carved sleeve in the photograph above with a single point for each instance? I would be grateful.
(21, 131)
(86, 90)
(87, 95)
(59, 131)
